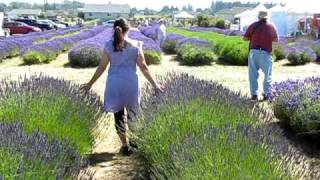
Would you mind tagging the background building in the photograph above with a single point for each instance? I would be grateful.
(228, 14)
(107, 11)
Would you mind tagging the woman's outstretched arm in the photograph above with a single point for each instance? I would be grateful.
(141, 62)
(101, 68)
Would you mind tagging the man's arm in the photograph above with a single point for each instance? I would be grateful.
(275, 35)
(248, 34)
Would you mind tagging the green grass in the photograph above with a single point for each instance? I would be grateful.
(231, 49)
(177, 144)
(17, 166)
(53, 114)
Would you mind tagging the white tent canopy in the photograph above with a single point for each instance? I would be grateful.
(250, 16)
(285, 19)
(1, 22)
(183, 15)
(278, 17)
(303, 8)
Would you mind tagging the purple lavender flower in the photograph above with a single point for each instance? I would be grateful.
(227, 32)
(13, 45)
(295, 102)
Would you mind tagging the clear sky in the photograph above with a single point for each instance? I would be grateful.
(158, 4)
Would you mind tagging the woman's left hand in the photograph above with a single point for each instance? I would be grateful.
(159, 88)
(85, 87)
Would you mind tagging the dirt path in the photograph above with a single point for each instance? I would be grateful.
(109, 165)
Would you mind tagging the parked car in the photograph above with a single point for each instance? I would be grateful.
(60, 22)
(108, 23)
(20, 28)
(55, 25)
(32, 22)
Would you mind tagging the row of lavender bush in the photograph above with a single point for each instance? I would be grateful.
(49, 50)
(298, 51)
(12, 46)
(190, 51)
(227, 32)
(150, 31)
(227, 44)
(229, 49)
(46, 128)
(87, 53)
(200, 130)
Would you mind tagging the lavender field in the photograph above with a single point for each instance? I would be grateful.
(47, 124)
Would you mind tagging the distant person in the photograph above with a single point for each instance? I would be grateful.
(80, 22)
(122, 86)
(261, 35)
(146, 22)
(161, 33)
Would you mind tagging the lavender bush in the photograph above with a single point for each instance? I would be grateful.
(49, 50)
(47, 125)
(11, 46)
(88, 52)
(316, 49)
(201, 130)
(152, 50)
(296, 104)
(297, 51)
(301, 55)
(150, 31)
(170, 43)
(194, 54)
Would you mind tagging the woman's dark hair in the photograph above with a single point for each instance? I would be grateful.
(120, 27)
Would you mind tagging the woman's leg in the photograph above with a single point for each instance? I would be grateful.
(130, 114)
(120, 126)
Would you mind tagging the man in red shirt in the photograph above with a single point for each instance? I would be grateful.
(261, 34)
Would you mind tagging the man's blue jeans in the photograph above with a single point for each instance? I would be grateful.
(259, 59)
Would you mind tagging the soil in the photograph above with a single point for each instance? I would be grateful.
(108, 164)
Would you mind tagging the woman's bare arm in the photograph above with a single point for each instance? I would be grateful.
(141, 62)
(101, 68)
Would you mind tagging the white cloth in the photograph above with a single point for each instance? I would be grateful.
(161, 34)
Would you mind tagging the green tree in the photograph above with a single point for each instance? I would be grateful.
(199, 10)
(81, 15)
(165, 9)
(184, 8)
(3, 7)
(190, 8)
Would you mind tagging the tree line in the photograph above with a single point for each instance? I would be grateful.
(215, 7)
(219, 5)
